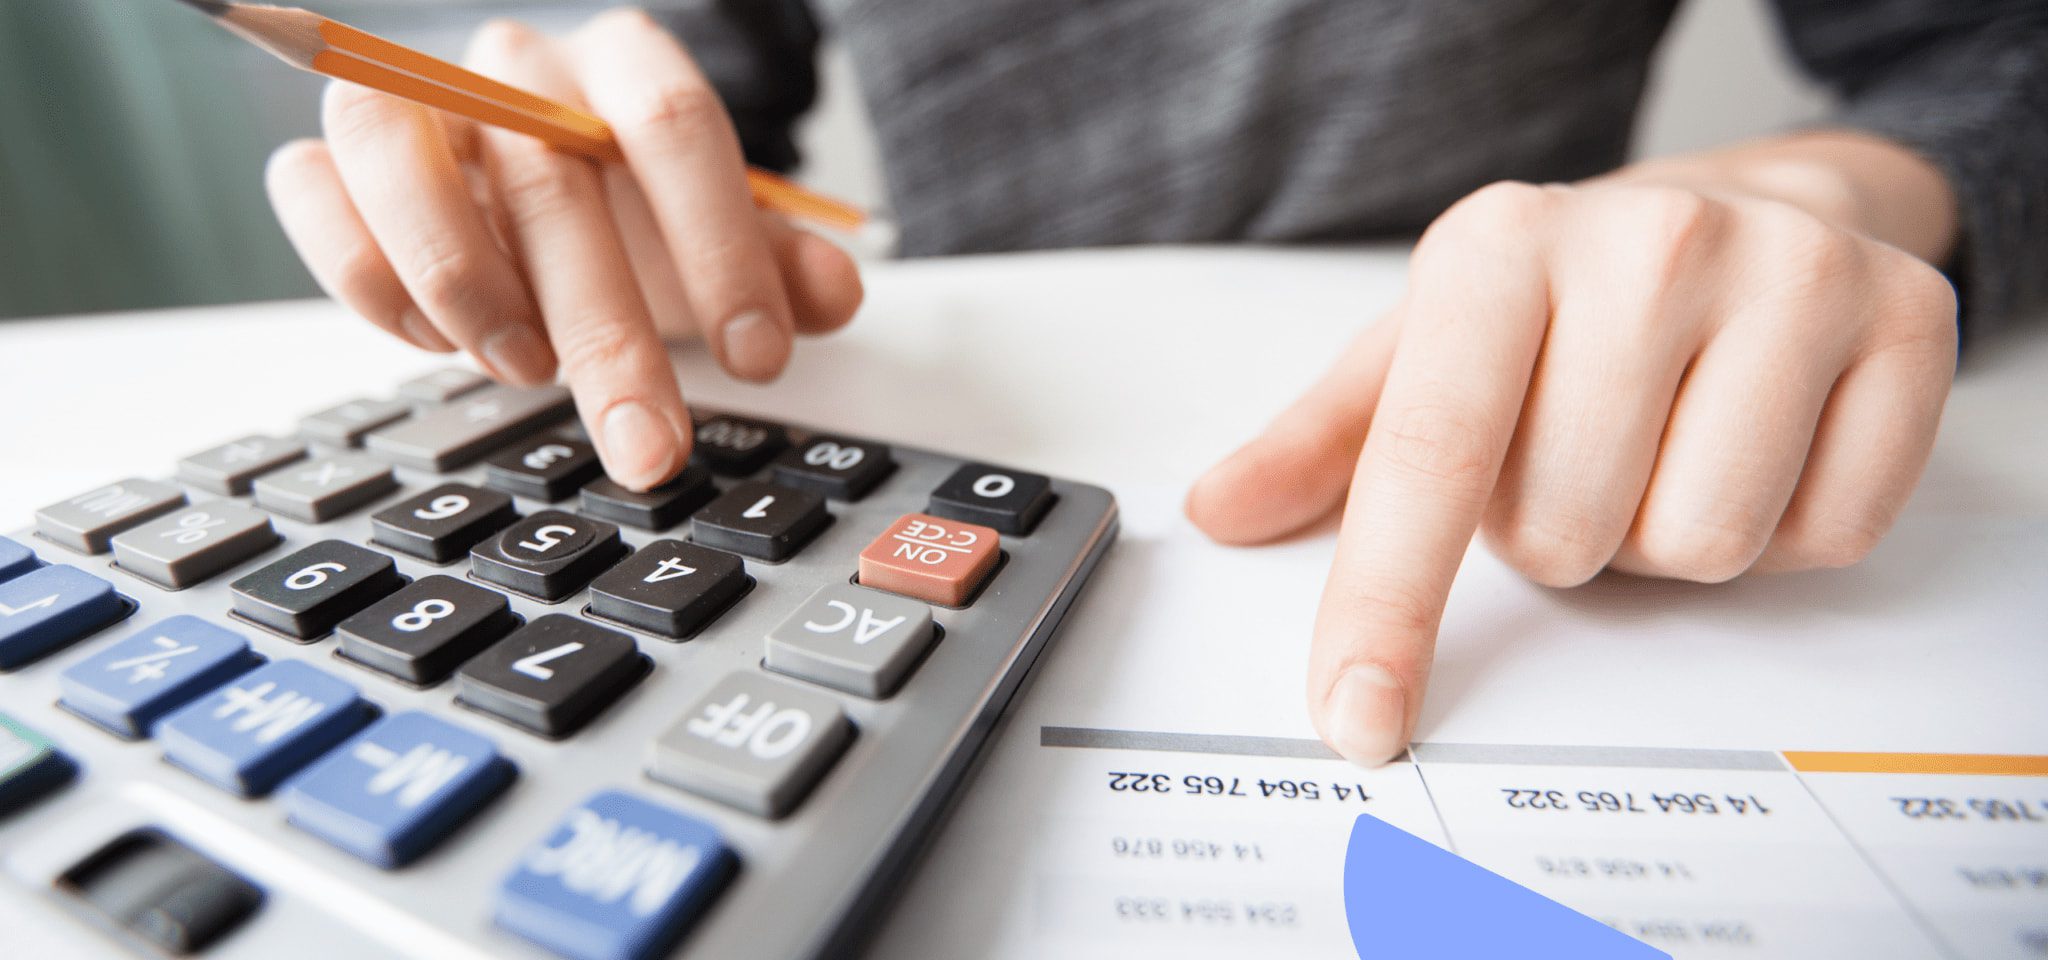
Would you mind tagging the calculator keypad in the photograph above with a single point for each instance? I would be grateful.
(1011, 501)
(759, 691)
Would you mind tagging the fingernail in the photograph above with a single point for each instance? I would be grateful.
(639, 445)
(754, 346)
(422, 333)
(1365, 716)
(516, 354)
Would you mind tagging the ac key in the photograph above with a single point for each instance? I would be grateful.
(548, 555)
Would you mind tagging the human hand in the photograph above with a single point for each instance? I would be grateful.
(448, 234)
(1662, 379)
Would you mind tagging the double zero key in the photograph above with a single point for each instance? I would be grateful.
(305, 594)
(548, 555)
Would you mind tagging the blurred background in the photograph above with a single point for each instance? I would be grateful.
(133, 135)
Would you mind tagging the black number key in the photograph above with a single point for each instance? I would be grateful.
(736, 446)
(544, 468)
(761, 520)
(305, 594)
(669, 587)
(548, 555)
(1011, 501)
(657, 509)
(837, 467)
(421, 633)
(443, 523)
(552, 675)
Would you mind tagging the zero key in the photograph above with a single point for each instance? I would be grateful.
(1011, 501)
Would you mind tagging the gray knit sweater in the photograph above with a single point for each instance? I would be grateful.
(1014, 124)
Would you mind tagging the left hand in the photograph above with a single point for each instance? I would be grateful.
(1659, 378)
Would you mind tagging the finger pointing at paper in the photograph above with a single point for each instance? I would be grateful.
(1649, 373)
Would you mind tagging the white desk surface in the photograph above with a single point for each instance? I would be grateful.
(1135, 369)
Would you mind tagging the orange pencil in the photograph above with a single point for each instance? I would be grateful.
(312, 42)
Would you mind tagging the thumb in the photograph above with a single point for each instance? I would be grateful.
(1297, 471)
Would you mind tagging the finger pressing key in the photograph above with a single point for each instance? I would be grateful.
(564, 235)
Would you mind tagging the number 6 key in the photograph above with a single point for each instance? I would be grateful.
(305, 594)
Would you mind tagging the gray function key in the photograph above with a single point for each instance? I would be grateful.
(325, 487)
(442, 386)
(452, 436)
(189, 545)
(753, 742)
(861, 641)
(230, 468)
(88, 522)
(344, 424)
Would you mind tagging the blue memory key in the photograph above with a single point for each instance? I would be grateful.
(30, 765)
(249, 735)
(45, 609)
(15, 559)
(618, 879)
(397, 788)
(127, 687)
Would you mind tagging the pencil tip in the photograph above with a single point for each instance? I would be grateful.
(212, 8)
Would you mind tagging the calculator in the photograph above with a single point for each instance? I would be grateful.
(417, 680)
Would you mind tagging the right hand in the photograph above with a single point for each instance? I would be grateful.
(450, 234)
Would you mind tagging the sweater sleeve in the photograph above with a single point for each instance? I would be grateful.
(1964, 83)
(761, 56)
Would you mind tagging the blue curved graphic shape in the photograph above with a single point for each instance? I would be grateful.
(1408, 899)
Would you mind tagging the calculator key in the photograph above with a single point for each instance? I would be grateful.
(937, 561)
(129, 686)
(736, 446)
(753, 742)
(306, 593)
(324, 488)
(835, 467)
(859, 641)
(248, 736)
(760, 520)
(31, 767)
(443, 523)
(657, 509)
(87, 522)
(422, 633)
(397, 789)
(345, 424)
(552, 675)
(452, 436)
(548, 555)
(182, 548)
(230, 468)
(618, 878)
(162, 892)
(16, 560)
(1011, 501)
(544, 468)
(669, 587)
(51, 607)
(442, 386)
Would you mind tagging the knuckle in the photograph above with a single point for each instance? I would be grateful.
(1390, 610)
(629, 18)
(290, 162)
(1709, 547)
(358, 271)
(680, 105)
(1675, 225)
(349, 112)
(1921, 312)
(1811, 254)
(1840, 541)
(1553, 548)
(598, 350)
(1501, 206)
(1441, 443)
(537, 186)
(446, 278)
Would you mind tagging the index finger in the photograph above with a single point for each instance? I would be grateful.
(1472, 325)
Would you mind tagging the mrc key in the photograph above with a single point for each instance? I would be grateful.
(548, 555)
